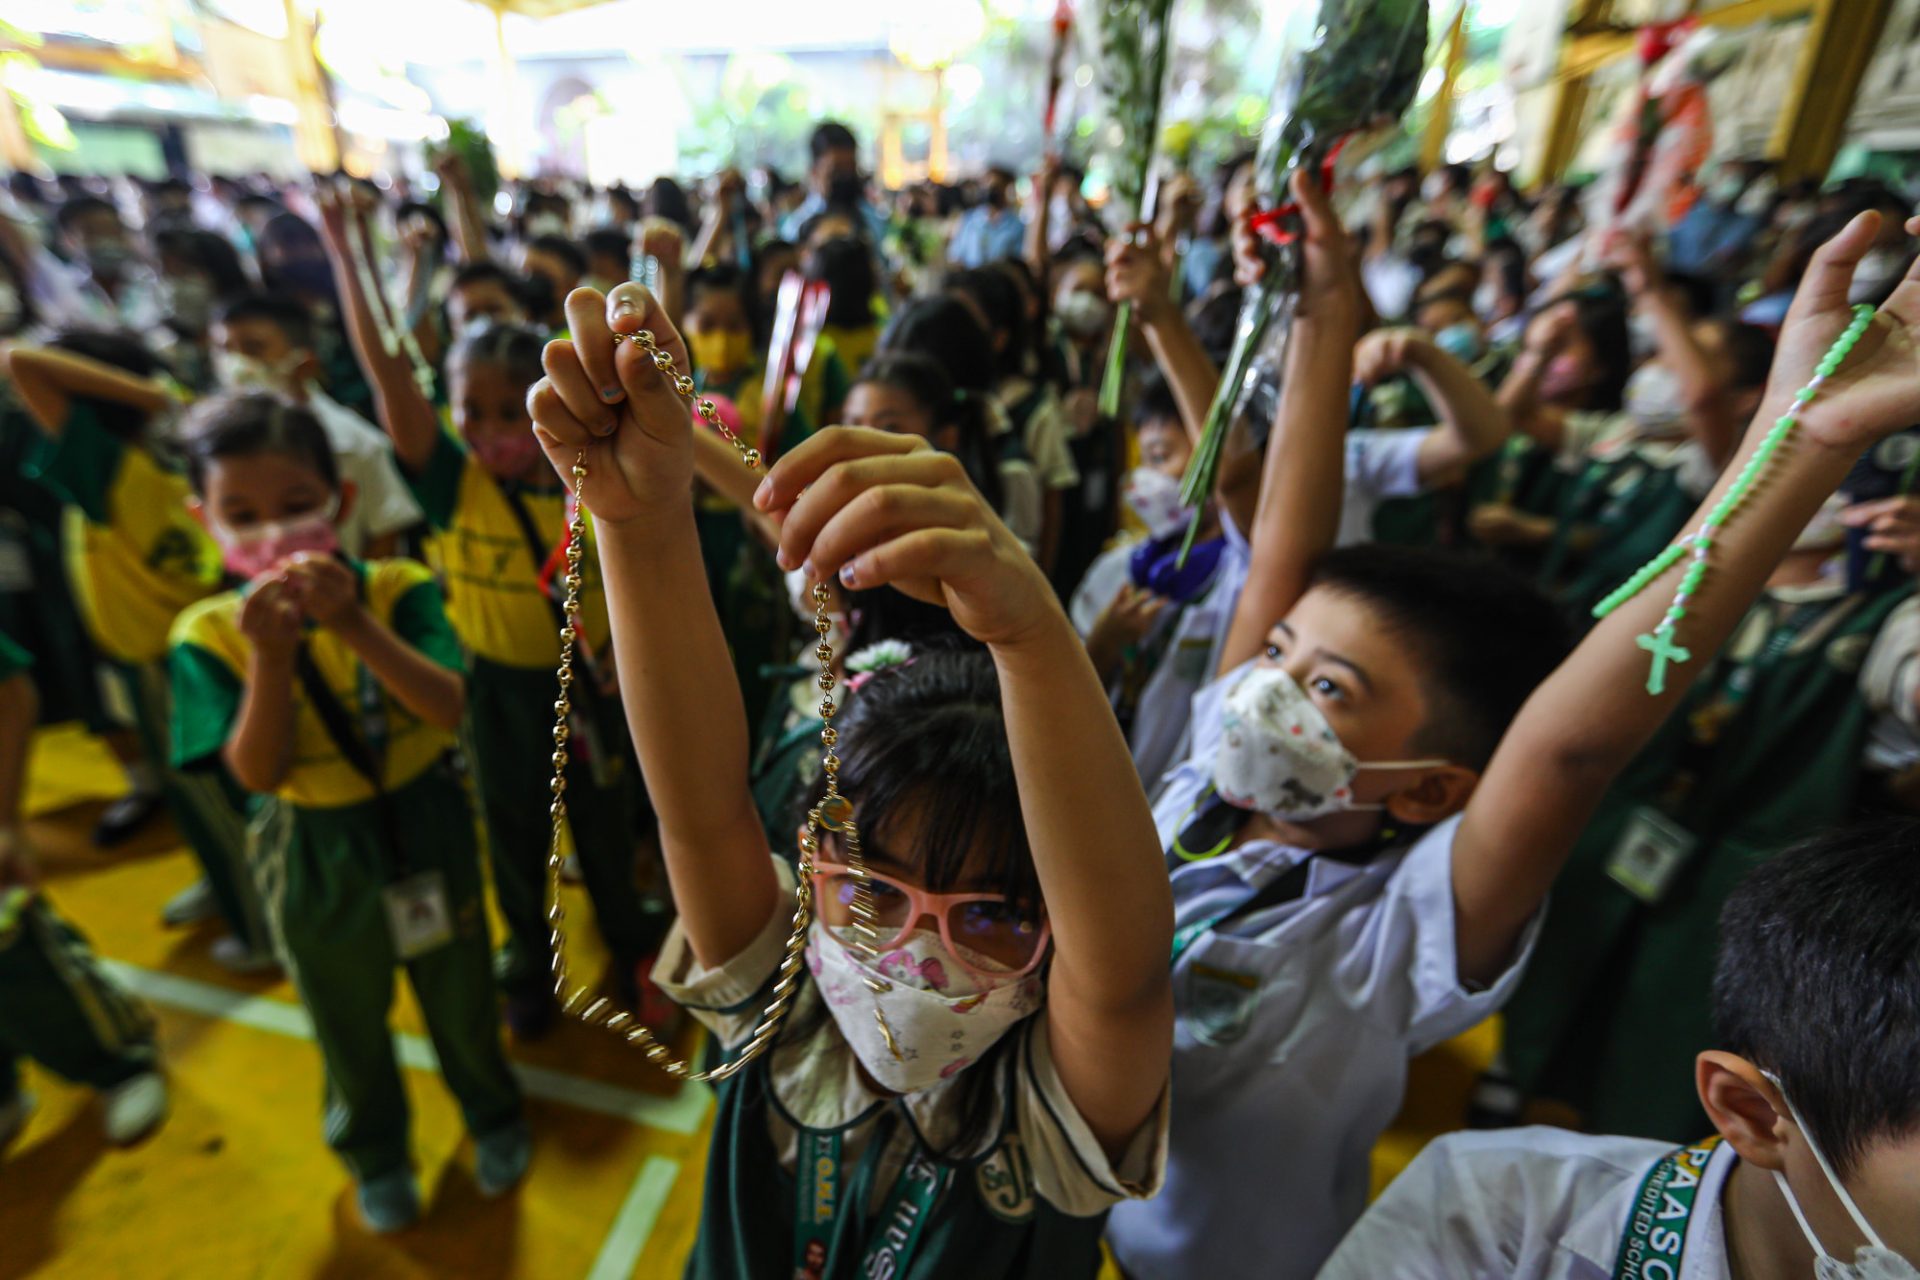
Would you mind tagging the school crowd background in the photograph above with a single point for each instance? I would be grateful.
(279, 529)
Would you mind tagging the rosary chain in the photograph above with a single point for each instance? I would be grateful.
(833, 813)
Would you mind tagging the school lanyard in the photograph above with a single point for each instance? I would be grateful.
(1288, 886)
(902, 1220)
(1655, 1239)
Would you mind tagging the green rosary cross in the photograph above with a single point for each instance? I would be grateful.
(1660, 643)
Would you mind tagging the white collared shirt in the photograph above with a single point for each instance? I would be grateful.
(382, 502)
(1294, 1025)
(1523, 1204)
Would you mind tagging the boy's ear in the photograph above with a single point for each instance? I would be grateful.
(1440, 793)
(1744, 1106)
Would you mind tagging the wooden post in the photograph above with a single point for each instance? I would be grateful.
(1433, 144)
(1842, 37)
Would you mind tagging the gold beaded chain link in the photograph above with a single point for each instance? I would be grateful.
(833, 813)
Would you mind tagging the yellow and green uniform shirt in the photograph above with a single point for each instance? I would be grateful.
(494, 597)
(135, 555)
(209, 663)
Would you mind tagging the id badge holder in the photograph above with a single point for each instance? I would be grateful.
(1652, 849)
(417, 914)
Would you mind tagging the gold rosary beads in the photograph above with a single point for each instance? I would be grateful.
(833, 813)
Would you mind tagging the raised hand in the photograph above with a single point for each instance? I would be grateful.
(1137, 273)
(1877, 390)
(611, 403)
(874, 509)
(1383, 353)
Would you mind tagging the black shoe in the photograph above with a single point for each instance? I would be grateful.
(531, 1014)
(124, 818)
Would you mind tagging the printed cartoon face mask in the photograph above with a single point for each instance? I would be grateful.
(1154, 496)
(248, 553)
(1279, 756)
(1873, 1260)
(914, 1015)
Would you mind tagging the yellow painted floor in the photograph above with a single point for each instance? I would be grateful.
(239, 1183)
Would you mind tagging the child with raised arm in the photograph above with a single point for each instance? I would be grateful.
(136, 560)
(498, 521)
(996, 1076)
(336, 685)
(1360, 841)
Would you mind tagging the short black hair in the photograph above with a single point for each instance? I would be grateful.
(831, 135)
(515, 348)
(726, 277)
(998, 296)
(1818, 982)
(668, 199)
(246, 424)
(293, 320)
(947, 330)
(609, 240)
(931, 734)
(1483, 636)
(211, 252)
(845, 264)
(485, 271)
(562, 248)
(1155, 403)
(71, 211)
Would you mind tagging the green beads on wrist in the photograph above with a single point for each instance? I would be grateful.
(1660, 643)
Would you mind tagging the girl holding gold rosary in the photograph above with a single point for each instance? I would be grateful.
(972, 1069)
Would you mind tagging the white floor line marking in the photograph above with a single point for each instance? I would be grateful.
(620, 1252)
(680, 1113)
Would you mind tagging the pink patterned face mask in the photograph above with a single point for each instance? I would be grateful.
(914, 1015)
(506, 456)
(248, 553)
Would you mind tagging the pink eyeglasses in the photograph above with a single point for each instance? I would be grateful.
(986, 924)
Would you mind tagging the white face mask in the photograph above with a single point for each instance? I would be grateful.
(1642, 339)
(237, 372)
(1279, 756)
(1653, 399)
(1154, 496)
(1060, 221)
(545, 224)
(1084, 314)
(1486, 301)
(11, 309)
(1873, 1260)
(913, 1015)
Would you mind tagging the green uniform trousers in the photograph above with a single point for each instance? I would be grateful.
(323, 881)
(510, 730)
(58, 1008)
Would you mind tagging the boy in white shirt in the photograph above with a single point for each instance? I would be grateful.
(1368, 694)
(1817, 997)
(266, 343)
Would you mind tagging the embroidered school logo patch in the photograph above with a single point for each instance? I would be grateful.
(1005, 1182)
(1222, 1004)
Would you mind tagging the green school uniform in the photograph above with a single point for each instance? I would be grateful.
(484, 544)
(56, 1006)
(342, 843)
(810, 1174)
(1764, 751)
(1646, 505)
(136, 559)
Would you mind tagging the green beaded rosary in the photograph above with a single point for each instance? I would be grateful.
(1660, 642)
